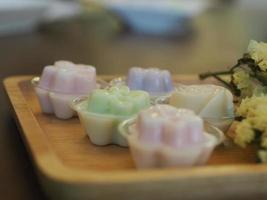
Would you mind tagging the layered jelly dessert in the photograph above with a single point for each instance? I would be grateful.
(213, 103)
(104, 109)
(164, 136)
(60, 83)
(154, 81)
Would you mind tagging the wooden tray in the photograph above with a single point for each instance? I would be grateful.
(70, 167)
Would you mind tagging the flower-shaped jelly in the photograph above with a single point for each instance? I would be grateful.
(164, 136)
(152, 80)
(61, 83)
(104, 109)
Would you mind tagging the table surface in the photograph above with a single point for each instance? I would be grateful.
(217, 39)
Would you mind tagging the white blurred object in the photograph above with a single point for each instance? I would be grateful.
(18, 16)
(62, 9)
(158, 17)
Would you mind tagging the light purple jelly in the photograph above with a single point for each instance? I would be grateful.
(152, 80)
(68, 78)
(61, 83)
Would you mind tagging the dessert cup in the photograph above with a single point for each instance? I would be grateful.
(147, 155)
(156, 82)
(211, 102)
(58, 103)
(102, 128)
(61, 83)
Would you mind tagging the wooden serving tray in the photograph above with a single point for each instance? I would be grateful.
(71, 167)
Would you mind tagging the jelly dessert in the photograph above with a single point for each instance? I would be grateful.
(104, 109)
(61, 83)
(213, 103)
(164, 136)
(153, 80)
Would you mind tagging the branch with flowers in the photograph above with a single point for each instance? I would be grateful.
(248, 81)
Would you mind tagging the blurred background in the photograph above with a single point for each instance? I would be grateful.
(185, 36)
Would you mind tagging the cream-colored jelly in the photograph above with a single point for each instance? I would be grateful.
(61, 83)
(101, 113)
(212, 102)
(164, 136)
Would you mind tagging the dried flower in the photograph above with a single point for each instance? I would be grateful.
(258, 52)
(244, 133)
(249, 83)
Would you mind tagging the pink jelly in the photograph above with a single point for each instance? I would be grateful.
(152, 80)
(164, 136)
(61, 83)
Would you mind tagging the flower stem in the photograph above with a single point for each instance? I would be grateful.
(209, 74)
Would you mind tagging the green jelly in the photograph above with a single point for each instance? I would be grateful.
(119, 101)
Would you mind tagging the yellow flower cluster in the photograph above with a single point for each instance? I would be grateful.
(244, 133)
(254, 110)
(241, 79)
(258, 52)
(247, 85)
(252, 106)
(262, 154)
